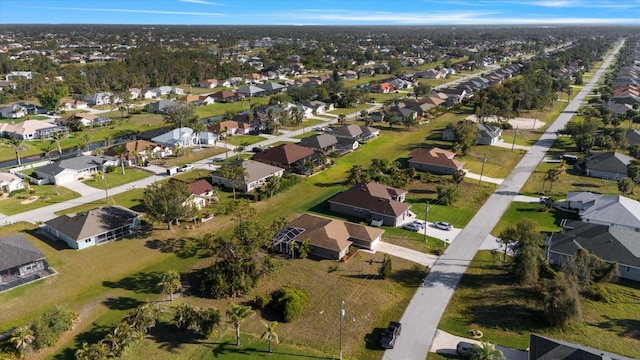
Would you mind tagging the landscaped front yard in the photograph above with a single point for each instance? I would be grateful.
(117, 178)
(42, 195)
(488, 300)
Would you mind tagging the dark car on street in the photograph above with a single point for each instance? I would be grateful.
(390, 335)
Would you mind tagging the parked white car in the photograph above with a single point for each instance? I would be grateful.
(186, 167)
(443, 225)
(411, 227)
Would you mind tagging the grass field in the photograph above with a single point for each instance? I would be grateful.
(487, 299)
(47, 195)
(117, 178)
(193, 155)
(216, 109)
(545, 221)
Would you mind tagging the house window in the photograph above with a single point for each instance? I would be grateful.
(87, 240)
(628, 268)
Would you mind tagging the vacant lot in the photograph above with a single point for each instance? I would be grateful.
(487, 299)
(42, 195)
(117, 178)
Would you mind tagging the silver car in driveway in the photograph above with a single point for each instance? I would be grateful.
(443, 225)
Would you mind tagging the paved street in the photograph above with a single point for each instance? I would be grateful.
(421, 318)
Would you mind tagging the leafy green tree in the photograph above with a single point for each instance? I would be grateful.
(561, 300)
(180, 115)
(458, 176)
(357, 175)
(386, 268)
(527, 241)
(304, 249)
(165, 202)
(466, 133)
(235, 173)
(270, 334)
(236, 314)
(633, 170)
(447, 194)
(50, 97)
(170, 282)
(272, 185)
(625, 185)
(289, 302)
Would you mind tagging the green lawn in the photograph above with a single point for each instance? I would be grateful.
(546, 221)
(222, 108)
(193, 155)
(117, 178)
(349, 111)
(239, 139)
(46, 195)
(487, 299)
(500, 161)
(130, 199)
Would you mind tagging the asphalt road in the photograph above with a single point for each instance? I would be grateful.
(422, 316)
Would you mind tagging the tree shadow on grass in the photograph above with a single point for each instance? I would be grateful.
(122, 303)
(183, 247)
(170, 338)
(142, 282)
(623, 327)
(409, 277)
(507, 317)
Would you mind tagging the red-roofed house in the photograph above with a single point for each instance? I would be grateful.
(372, 201)
(201, 193)
(434, 160)
(383, 88)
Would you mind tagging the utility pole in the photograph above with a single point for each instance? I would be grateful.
(514, 139)
(341, 318)
(106, 193)
(426, 223)
(482, 169)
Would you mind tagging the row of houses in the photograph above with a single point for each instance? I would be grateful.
(626, 93)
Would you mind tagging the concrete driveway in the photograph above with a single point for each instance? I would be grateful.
(407, 254)
(445, 343)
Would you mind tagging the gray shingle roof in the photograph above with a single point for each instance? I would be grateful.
(78, 163)
(319, 141)
(93, 222)
(16, 250)
(609, 162)
(542, 348)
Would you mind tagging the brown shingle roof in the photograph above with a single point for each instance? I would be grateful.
(435, 156)
(374, 197)
(92, 222)
(284, 154)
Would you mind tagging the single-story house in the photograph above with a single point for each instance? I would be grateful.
(291, 157)
(613, 244)
(160, 106)
(20, 260)
(322, 142)
(208, 83)
(488, 134)
(224, 95)
(32, 129)
(14, 111)
(201, 193)
(609, 210)
(94, 227)
(360, 133)
(609, 165)
(100, 98)
(180, 137)
(434, 160)
(231, 127)
(72, 104)
(272, 87)
(138, 151)
(372, 201)
(251, 91)
(67, 170)
(257, 174)
(633, 137)
(86, 119)
(318, 107)
(543, 348)
(329, 238)
(10, 182)
(164, 90)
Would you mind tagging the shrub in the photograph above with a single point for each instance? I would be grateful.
(261, 301)
(288, 302)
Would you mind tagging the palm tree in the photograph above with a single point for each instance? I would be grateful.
(552, 176)
(185, 316)
(56, 137)
(458, 176)
(121, 151)
(170, 282)
(198, 128)
(272, 185)
(270, 334)
(342, 119)
(487, 352)
(244, 145)
(236, 314)
(47, 149)
(18, 145)
(21, 339)
(235, 174)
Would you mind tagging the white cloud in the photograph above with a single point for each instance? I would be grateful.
(554, 3)
(202, 2)
(164, 12)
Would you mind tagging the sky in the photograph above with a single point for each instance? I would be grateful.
(320, 12)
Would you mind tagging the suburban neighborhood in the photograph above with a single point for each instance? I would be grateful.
(336, 193)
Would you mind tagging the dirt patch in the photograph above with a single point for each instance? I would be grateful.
(521, 123)
(30, 200)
